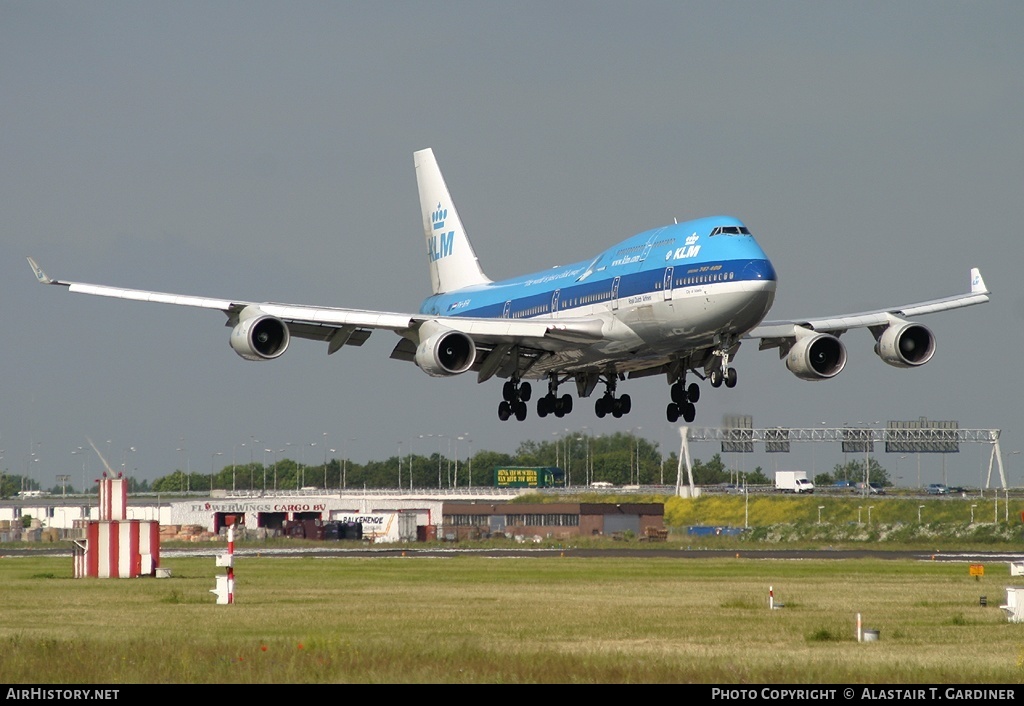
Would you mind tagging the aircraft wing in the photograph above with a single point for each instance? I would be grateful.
(341, 326)
(783, 333)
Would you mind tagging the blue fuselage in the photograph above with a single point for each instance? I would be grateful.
(663, 291)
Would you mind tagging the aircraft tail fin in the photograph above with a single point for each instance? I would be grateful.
(453, 263)
(977, 283)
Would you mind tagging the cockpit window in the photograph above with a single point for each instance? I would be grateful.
(730, 230)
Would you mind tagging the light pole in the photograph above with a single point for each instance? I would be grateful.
(252, 463)
(399, 465)
(636, 444)
(213, 456)
(344, 464)
(80, 451)
(333, 451)
(325, 460)
(233, 450)
(586, 455)
(124, 453)
(278, 451)
(188, 466)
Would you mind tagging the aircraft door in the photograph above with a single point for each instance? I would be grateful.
(507, 311)
(667, 283)
(554, 301)
(615, 293)
(650, 243)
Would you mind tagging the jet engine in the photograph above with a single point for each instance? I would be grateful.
(259, 336)
(816, 357)
(905, 345)
(446, 353)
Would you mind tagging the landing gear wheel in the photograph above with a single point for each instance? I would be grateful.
(715, 378)
(508, 391)
(504, 410)
(601, 407)
(525, 390)
(693, 393)
(566, 403)
(689, 412)
(730, 377)
(672, 412)
(626, 404)
(521, 411)
(678, 394)
(543, 406)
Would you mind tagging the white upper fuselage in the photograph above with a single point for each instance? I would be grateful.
(660, 293)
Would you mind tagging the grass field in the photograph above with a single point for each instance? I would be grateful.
(470, 619)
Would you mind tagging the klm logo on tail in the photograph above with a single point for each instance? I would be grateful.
(440, 244)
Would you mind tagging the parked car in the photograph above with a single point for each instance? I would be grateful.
(938, 489)
(871, 488)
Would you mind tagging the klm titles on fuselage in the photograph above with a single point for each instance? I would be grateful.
(440, 244)
(686, 251)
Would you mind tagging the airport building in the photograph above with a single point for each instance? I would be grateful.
(382, 516)
(461, 520)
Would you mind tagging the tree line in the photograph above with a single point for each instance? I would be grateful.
(621, 459)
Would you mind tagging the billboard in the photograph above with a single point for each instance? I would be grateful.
(857, 441)
(528, 477)
(776, 440)
(739, 434)
(922, 436)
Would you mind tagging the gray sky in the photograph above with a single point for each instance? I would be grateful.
(263, 151)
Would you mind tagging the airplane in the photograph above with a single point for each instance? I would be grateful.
(677, 300)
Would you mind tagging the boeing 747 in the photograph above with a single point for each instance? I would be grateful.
(676, 301)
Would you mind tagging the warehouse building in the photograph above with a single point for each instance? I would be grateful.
(550, 520)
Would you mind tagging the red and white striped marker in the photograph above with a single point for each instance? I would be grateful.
(225, 590)
(231, 565)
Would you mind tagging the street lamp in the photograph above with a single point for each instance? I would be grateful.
(344, 464)
(820, 508)
(636, 445)
(399, 465)
(325, 460)
(80, 451)
(213, 456)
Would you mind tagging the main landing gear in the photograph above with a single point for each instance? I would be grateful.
(684, 397)
(610, 404)
(551, 403)
(516, 395)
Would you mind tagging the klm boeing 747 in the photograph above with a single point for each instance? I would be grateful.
(675, 301)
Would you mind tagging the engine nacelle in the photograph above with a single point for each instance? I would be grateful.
(817, 357)
(445, 353)
(259, 336)
(906, 345)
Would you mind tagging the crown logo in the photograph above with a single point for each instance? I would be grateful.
(438, 217)
(692, 239)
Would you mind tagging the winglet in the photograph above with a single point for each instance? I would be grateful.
(38, 272)
(977, 283)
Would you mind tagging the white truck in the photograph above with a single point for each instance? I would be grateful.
(793, 482)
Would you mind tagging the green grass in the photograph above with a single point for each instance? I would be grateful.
(470, 619)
